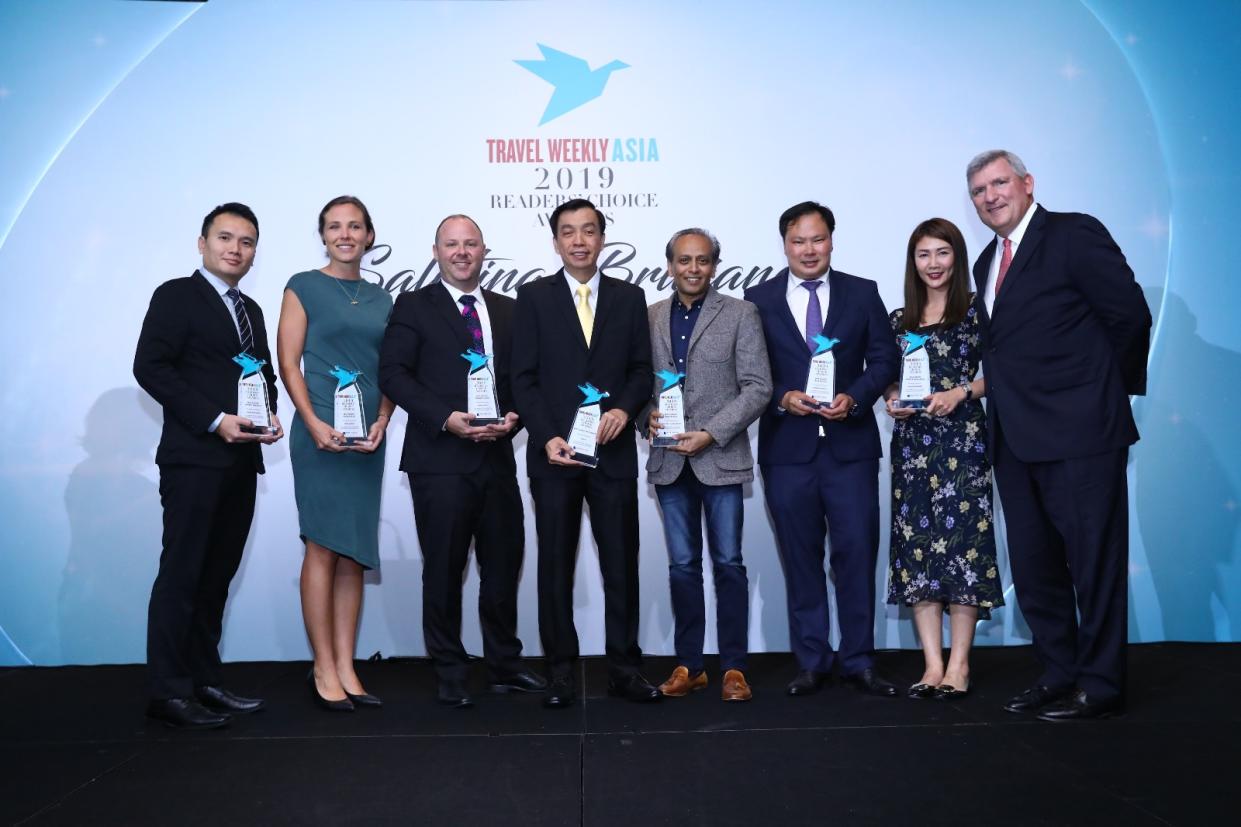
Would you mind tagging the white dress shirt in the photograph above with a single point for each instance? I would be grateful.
(480, 305)
(593, 284)
(1015, 237)
(798, 298)
(222, 287)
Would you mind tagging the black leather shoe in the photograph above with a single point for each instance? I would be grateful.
(365, 699)
(452, 693)
(948, 692)
(1078, 706)
(523, 681)
(560, 694)
(185, 713)
(343, 705)
(872, 683)
(806, 683)
(1034, 699)
(921, 690)
(634, 688)
(218, 699)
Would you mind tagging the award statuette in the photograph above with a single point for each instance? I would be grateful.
(915, 384)
(480, 390)
(348, 414)
(671, 409)
(252, 402)
(583, 436)
(821, 381)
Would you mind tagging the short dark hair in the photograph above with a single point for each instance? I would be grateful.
(576, 204)
(698, 231)
(796, 211)
(957, 302)
(355, 201)
(231, 208)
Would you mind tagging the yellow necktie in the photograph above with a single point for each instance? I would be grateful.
(584, 316)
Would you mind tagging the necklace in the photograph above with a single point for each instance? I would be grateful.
(352, 299)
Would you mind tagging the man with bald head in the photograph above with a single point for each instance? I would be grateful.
(1066, 331)
(462, 476)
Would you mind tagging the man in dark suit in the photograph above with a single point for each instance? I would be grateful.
(208, 462)
(820, 457)
(462, 476)
(1066, 332)
(572, 328)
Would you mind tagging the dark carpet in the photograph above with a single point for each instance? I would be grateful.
(76, 749)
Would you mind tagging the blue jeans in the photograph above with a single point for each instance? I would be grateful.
(682, 505)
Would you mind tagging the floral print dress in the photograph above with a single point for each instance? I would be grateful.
(943, 537)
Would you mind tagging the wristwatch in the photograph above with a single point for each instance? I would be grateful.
(969, 390)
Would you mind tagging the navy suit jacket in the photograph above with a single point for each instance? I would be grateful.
(867, 361)
(551, 358)
(184, 359)
(1066, 343)
(421, 369)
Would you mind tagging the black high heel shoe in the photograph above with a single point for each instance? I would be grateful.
(343, 705)
(365, 699)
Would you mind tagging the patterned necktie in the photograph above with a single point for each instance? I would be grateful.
(584, 316)
(243, 319)
(814, 313)
(1005, 261)
(472, 322)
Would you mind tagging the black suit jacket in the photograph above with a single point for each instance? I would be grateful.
(421, 369)
(1066, 343)
(185, 361)
(867, 361)
(550, 360)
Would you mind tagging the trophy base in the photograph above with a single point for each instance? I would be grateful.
(263, 430)
(480, 421)
(665, 442)
(587, 460)
(910, 404)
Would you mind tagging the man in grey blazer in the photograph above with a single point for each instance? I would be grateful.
(713, 344)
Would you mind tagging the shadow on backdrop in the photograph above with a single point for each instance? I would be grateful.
(114, 530)
(1186, 500)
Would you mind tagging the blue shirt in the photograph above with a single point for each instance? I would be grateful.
(682, 326)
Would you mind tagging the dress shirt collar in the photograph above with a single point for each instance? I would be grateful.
(220, 285)
(1019, 231)
(593, 284)
(795, 282)
(456, 294)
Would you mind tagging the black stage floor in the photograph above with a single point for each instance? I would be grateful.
(75, 749)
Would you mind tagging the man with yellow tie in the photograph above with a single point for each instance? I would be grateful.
(576, 329)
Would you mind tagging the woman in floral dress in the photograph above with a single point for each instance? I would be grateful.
(943, 539)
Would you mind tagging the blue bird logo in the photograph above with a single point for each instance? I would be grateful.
(344, 378)
(477, 360)
(249, 364)
(824, 344)
(913, 341)
(576, 83)
(593, 394)
(669, 378)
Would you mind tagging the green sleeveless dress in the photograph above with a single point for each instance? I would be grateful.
(338, 494)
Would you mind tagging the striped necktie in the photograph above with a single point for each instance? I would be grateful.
(243, 319)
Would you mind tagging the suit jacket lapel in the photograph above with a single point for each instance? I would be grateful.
(982, 274)
(450, 312)
(603, 310)
(782, 308)
(711, 307)
(835, 303)
(216, 305)
(1029, 244)
(661, 334)
(566, 302)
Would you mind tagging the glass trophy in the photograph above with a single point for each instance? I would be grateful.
(915, 383)
(482, 403)
(348, 413)
(584, 434)
(671, 409)
(252, 402)
(821, 380)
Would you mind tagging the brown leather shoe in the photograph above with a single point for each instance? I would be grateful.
(679, 683)
(735, 688)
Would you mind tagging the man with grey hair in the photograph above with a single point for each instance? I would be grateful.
(713, 347)
(1066, 332)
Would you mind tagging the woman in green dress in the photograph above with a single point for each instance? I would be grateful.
(331, 325)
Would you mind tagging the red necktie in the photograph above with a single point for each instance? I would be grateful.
(1005, 261)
